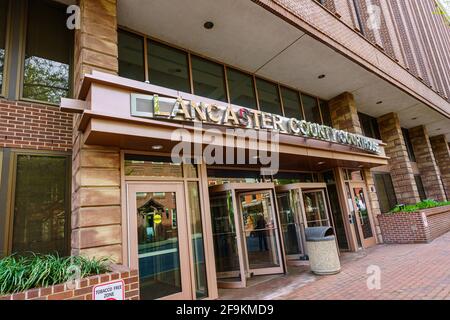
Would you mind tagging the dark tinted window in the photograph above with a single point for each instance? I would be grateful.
(268, 97)
(408, 144)
(326, 116)
(209, 79)
(240, 85)
(385, 191)
(40, 206)
(48, 53)
(131, 56)
(369, 126)
(3, 16)
(311, 108)
(168, 67)
(420, 187)
(291, 103)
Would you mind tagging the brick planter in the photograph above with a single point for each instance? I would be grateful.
(415, 227)
(84, 291)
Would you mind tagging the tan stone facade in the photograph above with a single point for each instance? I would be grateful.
(400, 166)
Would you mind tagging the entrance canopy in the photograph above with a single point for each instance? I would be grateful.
(106, 108)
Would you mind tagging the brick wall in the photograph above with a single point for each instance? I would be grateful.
(415, 227)
(34, 126)
(84, 290)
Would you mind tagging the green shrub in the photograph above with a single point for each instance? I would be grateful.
(425, 204)
(20, 273)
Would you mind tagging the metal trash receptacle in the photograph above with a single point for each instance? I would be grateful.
(322, 250)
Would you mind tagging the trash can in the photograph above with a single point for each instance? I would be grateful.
(322, 251)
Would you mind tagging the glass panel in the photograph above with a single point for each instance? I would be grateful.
(195, 212)
(158, 248)
(190, 171)
(260, 230)
(315, 210)
(269, 100)
(224, 235)
(209, 79)
(151, 166)
(409, 147)
(289, 226)
(369, 126)
(326, 116)
(131, 56)
(48, 53)
(3, 17)
(385, 191)
(40, 205)
(291, 103)
(240, 85)
(363, 213)
(168, 67)
(420, 187)
(311, 109)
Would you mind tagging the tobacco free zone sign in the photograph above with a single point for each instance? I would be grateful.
(109, 291)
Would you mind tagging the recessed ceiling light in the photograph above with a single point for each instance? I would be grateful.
(255, 157)
(379, 102)
(415, 118)
(157, 147)
(321, 76)
(208, 25)
(320, 163)
(438, 129)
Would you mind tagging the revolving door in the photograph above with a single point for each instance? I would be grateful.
(246, 232)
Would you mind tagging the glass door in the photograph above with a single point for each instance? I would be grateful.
(362, 217)
(159, 240)
(260, 232)
(315, 208)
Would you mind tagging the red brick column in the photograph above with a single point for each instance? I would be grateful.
(429, 171)
(441, 153)
(401, 170)
(344, 114)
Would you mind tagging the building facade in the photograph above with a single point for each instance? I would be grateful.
(196, 142)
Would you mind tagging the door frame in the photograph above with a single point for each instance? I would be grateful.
(182, 226)
(260, 271)
(369, 242)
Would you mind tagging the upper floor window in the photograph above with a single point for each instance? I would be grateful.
(420, 187)
(131, 56)
(408, 144)
(311, 108)
(209, 79)
(369, 126)
(325, 111)
(168, 67)
(291, 103)
(3, 17)
(268, 97)
(242, 88)
(385, 191)
(48, 51)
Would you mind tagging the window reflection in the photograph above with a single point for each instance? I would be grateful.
(131, 56)
(269, 100)
(168, 67)
(242, 91)
(291, 103)
(209, 79)
(48, 52)
(311, 109)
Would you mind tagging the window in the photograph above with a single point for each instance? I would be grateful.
(48, 51)
(268, 97)
(326, 115)
(385, 191)
(209, 79)
(311, 109)
(241, 87)
(3, 17)
(168, 67)
(420, 187)
(408, 144)
(358, 15)
(369, 126)
(131, 56)
(291, 103)
(41, 205)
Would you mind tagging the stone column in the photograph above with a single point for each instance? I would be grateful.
(96, 183)
(429, 171)
(344, 115)
(441, 151)
(401, 170)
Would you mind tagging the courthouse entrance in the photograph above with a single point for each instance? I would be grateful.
(246, 236)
